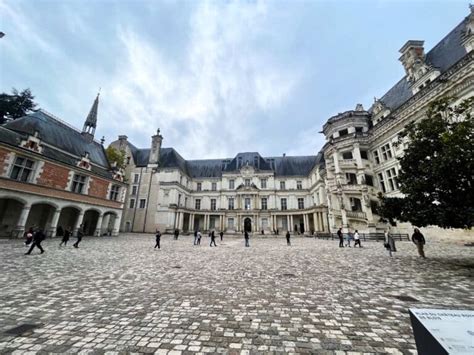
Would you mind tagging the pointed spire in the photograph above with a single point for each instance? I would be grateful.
(92, 116)
(91, 120)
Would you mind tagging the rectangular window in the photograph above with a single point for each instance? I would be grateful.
(198, 204)
(263, 183)
(132, 203)
(142, 203)
(299, 185)
(247, 182)
(359, 129)
(283, 204)
(392, 179)
(382, 183)
(78, 182)
(230, 223)
(134, 190)
(343, 132)
(231, 184)
(214, 186)
(213, 204)
(351, 178)
(376, 156)
(301, 203)
(22, 169)
(356, 205)
(185, 202)
(264, 203)
(386, 151)
(179, 199)
(136, 178)
(247, 203)
(231, 203)
(282, 185)
(347, 155)
(363, 155)
(199, 186)
(114, 192)
(369, 180)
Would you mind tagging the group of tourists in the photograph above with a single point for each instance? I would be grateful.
(34, 237)
(389, 242)
(349, 237)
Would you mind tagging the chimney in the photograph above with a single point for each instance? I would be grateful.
(122, 142)
(155, 148)
(413, 56)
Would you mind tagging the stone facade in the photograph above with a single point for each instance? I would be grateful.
(337, 187)
(52, 175)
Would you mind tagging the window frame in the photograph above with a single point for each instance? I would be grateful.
(264, 203)
(199, 186)
(21, 168)
(230, 203)
(197, 204)
(301, 203)
(75, 183)
(283, 206)
(142, 203)
(213, 204)
(299, 185)
(114, 192)
(282, 185)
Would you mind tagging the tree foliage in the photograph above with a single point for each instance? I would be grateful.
(437, 169)
(116, 156)
(16, 105)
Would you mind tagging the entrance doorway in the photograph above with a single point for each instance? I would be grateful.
(247, 225)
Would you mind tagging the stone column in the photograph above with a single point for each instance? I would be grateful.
(80, 218)
(98, 228)
(54, 222)
(206, 222)
(191, 222)
(20, 227)
(181, 221)
(292, 225)
(116, 227)
(306, 222)
(315, 222)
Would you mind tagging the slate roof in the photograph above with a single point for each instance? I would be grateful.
(213, 168)
(58, 135)
(442, 56)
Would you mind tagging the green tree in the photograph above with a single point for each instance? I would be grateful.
(16, 105)
(437, 169)
(116, 156)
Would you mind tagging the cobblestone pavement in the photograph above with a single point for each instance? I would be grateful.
(121, 295)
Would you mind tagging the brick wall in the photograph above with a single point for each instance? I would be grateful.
(54, 176)
(98, 187)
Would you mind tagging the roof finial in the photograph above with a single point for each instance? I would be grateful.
(102, 140)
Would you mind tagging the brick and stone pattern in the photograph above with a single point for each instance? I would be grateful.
(54, 176)
(119, 295)
(98, 187)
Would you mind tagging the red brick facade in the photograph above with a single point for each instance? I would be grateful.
(98, 187)
(54, 176)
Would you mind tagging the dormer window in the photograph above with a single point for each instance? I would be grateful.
(22, 169)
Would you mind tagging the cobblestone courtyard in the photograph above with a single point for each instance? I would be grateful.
(120, 295)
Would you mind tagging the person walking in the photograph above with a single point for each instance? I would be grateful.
(419, 241)
(176, 234)
(195, 237)
(341, 238)
(38, 237)
(158, 239)
(348, 239)
(199, 238)
(288, 238)
(357, 239)
(247, 237)
(213, 239)
(66, 235)
(80, 234)
(222, 235)
(389, 243)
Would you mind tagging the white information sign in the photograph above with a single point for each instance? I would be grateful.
(453, 329)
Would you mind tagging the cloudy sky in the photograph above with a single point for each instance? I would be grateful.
(218, 77)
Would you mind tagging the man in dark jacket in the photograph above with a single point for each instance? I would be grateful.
(222, 235)
(67, 234)
(288, 238)
(176, 234)
(419, 241)
(341, 238)
(158, 239)
(246, 235)
(80, 234)
(38, 237)
(213, 239)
